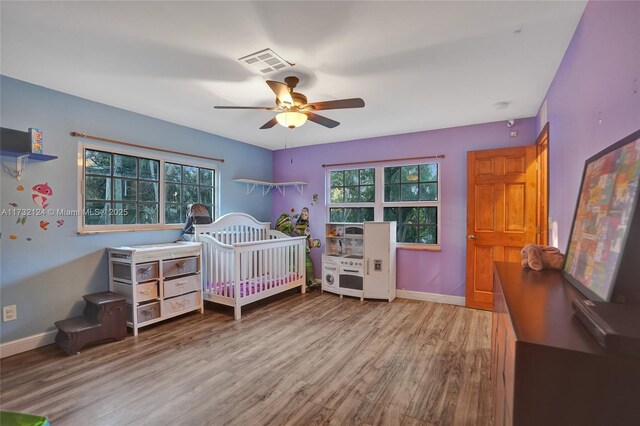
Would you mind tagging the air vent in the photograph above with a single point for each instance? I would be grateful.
(265, 61)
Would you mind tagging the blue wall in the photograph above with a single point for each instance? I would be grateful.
(47, 276)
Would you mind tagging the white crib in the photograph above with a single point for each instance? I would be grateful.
(244, 261)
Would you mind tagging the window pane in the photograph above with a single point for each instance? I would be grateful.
(206, 195)
(429, 192)
(337, 178)
(97, 163)
(367, 194)
(124, 189)
(392, 192)
(97, 188)
(189, 174)
(410, 215)
(391, 175)
(173, 213)
(149, 169)
(351, 194)
(429, 172)
(407, 234)
(409, 192)
(391, 214)
(351, 177)
(172, 172)
(431, 216)
(148, 213)
(206, 177)
(124, 165)
(172, 192)
(190, 194)
(124, 213)
(428, 235)
(367, 214)
(350, 215)
(96, 213)
(148, 191)
(337, 195)
(367, 176)
(335, 215)
(409, 174)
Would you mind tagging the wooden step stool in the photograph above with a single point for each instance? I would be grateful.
(104, 318)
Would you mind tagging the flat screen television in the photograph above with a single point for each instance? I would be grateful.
(603, 255)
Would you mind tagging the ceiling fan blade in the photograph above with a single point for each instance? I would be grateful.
(337, 104)
(323, 121)
(247, 107)
(281, 90)
(269, 124)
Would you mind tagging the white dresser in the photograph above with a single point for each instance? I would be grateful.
(159, 281)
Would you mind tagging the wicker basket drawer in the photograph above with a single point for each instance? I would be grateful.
(180, 303)
(147, 291)
(186, 265)
(146, 312)
(143, 271)
(178, 286)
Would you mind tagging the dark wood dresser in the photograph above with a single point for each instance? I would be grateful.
(546, 369)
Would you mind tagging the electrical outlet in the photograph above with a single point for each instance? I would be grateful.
(9, 313)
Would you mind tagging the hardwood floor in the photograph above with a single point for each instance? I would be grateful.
(292, 359)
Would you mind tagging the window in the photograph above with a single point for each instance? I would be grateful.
(407, 194)
(411, 199)
(352, 195)
(121, 191)
(186, 185)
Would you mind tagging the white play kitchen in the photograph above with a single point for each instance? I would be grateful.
(360, 260)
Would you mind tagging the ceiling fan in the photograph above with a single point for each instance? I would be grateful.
(294, 109)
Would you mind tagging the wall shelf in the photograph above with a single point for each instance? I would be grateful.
(22, 158)
(267, 186)
(17, 144)
(31, 155)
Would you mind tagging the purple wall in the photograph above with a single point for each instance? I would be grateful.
(434, 272)
(594, 99)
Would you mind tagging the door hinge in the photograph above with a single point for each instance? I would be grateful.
(537, 230)
(537, 166)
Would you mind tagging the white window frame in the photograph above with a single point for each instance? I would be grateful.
(351, 205)
(379, 204)
(148, 154)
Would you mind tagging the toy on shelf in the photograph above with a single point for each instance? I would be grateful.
(539, 257)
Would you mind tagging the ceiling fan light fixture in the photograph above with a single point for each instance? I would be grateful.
(291, 119)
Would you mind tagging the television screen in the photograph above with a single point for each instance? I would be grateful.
(607, 206)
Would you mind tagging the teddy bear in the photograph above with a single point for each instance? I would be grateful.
(539, 257)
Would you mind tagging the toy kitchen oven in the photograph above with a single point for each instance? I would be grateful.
(342, 262)
(359, 259)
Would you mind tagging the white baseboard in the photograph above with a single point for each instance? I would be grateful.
(27, 343)
(430, 297)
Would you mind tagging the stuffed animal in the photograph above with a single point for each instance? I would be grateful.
(539, 257)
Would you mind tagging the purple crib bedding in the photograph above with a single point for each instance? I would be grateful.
(249, 287)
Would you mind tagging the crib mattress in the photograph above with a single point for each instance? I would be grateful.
(249, 287)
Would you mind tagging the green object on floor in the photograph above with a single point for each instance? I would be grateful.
(7, 418)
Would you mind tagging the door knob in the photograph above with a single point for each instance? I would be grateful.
(472, 237)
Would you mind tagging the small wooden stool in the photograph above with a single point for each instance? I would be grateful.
(104, 318)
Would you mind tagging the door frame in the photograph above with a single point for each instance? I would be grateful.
(542, 192)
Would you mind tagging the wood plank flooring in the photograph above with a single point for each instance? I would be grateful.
(292, 359)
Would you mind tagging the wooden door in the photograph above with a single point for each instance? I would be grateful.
(501, 214)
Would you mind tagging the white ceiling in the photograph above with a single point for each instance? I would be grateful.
(417, 65)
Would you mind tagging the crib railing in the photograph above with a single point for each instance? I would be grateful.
(247, 268)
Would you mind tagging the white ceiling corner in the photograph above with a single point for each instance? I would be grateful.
(417, 65)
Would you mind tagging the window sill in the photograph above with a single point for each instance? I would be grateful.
(112, 231)
(418, 247)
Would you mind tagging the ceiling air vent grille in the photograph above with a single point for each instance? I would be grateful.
(265, 61)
